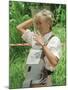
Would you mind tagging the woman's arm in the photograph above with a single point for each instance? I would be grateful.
(51, 57)
(23, 26)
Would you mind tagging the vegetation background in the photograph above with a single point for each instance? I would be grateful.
(19, 12)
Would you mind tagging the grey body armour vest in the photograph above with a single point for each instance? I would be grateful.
(36, 73)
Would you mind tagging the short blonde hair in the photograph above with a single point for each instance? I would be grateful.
(47, 15)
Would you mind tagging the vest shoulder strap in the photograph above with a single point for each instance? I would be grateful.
(46, 44)
(51, 37)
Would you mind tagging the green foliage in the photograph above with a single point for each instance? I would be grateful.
(60, 14)
(59, 76)
(57, 29)
(19, 12)
(17, 69)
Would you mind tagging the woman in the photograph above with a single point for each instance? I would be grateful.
(45, 52)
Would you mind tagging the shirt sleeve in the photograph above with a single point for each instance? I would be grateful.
(55, 46)
(27, 36)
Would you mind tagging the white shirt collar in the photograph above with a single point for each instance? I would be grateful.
(47, 36)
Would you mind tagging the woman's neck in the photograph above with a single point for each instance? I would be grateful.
(45, 32)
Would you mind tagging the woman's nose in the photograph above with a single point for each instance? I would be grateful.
(38, 26)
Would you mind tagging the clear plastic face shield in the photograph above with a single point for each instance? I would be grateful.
(40, 19)
(34, 12)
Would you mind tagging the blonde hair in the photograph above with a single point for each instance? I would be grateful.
(47, 15)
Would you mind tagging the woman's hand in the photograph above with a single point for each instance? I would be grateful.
(39, 39)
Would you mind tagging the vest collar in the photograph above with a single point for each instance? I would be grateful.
(47, 36)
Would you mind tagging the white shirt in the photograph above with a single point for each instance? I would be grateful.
(34, 56)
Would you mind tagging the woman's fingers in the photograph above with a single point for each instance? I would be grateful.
(37, 35)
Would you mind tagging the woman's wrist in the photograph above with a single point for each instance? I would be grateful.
(43, 45)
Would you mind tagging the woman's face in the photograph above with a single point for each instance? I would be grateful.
(42, 24)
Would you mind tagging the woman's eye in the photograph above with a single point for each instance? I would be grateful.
(39, 22)
(36, 23)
